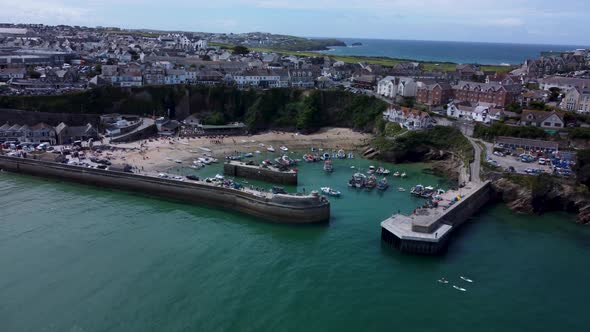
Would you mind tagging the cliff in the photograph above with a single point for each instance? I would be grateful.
(540, 194)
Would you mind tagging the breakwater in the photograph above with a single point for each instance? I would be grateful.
(428, 231)
(273, 207)
(268, 174)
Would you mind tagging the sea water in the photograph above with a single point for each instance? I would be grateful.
(79, 258)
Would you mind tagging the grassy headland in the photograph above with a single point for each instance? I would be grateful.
(383, 61)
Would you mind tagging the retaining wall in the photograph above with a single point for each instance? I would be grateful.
(258, 173)
(276, 208)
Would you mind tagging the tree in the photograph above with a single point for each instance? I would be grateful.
(514, 107)
(582, 167)
(555, 92)
(240, 50)
(537, 105)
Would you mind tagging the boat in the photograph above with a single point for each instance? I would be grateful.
(325, 156)
(239, 157)
(284, 148)
(331, 192)
(382, 171)
(428, 192)
(443, 281)
(459, 288)
(468, 280)
(270, 149)
(371, 170)
(178, 161)
(358, 180)
(192, 177)
(247, 155)
(309, 158)
(417, 190)
(286, 161)
(404, 175)
(397, 174)
(278, 190)
(257, 152)
(328, 166)
(341, 154)
(382, 184)
(204, 149)
(400, 189)
(371, 182)
(350, 156)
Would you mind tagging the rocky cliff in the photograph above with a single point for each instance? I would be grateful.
(541, 194)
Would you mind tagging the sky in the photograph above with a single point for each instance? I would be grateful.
(512, 21)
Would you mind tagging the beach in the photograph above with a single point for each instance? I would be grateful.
(158, 154)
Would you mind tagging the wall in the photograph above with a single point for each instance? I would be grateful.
(32, 118)
(279, 208)
(258, 173)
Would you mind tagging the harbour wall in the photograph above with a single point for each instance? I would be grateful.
(238, 169)
(432, 238)
(275, 208)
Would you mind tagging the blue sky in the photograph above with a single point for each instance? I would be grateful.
(517, 21)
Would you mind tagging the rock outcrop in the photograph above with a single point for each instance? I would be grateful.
(543, 194)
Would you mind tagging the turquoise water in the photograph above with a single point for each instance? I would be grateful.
(77, 258)
(448, 51)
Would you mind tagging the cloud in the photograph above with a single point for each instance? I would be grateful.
(33, 11)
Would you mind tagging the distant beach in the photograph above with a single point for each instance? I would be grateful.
(442, 51)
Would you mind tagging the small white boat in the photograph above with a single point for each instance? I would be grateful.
(204, 149)
(443, 281)
(396, 174)
(284, 148)
(178, 161)
(331, 192)
(341, 154)
(371, 170)
(459, 288)
(404, 175)
(468, 280)
(352, 167)
(257, 152)
(270, 149)
(400, 189)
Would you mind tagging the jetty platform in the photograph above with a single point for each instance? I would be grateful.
(255, 172)
(427, 231)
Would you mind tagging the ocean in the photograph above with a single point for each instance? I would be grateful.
(79, 258)
(447, 51)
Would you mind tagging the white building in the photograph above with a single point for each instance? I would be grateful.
(392, 87)
(482, 112)
(408, 118)
(258, 78)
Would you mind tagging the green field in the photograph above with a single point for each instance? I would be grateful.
(384, 61)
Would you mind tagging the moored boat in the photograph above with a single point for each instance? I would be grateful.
(341, 154)
(371, 182)
(404, 175)
(417, 190)
(270, 149)
(331, 192)
(283, 148)
(397, 174)
(371, 170)
(400, 189)
(382, 184)
(328, 168)
(358, 180)
(382, 171)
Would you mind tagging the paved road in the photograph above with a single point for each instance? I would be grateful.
(475, 166)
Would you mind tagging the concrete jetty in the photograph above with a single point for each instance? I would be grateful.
(268, 174)
(427, 231)
(273, 207)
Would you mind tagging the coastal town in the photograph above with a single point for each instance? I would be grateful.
(528, 119)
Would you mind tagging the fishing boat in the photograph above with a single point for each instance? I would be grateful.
(325, 156)
(371, 182)
(178, 161)
(400, 189)
(382, 184)
(358, 180)
(286, 161)
(371, 170)
(397, 174)
(270, 149)
(257, 152)
(341, 154)
(247, 155)
(192, 177)
(237, 157)
(284, 148)
(328, 168)
(331, 192)
(382, 171)
(404, 175)
(417, 190)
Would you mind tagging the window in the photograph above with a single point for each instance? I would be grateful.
(547, 124)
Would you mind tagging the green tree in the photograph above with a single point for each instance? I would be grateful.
(240, 50)
(582, 167)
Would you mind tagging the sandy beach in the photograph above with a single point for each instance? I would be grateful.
(158, 154)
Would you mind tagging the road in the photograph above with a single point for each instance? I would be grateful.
(475, 166)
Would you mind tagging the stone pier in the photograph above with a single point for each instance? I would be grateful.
(427, 231)
(268, 174)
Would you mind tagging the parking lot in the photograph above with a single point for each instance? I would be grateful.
(513, 162)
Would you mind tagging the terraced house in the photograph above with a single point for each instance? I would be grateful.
(492, 93)
(542, 119)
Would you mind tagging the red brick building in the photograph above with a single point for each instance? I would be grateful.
(434, 94)
(492, 93)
